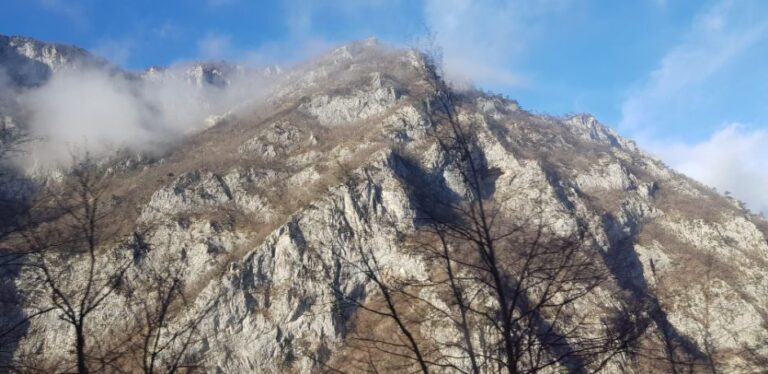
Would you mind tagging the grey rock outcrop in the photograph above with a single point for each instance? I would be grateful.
(29, 62)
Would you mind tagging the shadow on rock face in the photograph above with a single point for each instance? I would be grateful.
(21, 70)
(14, 192)
(13, 319)
(625, 265)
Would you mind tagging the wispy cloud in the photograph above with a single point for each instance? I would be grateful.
(215, 46)
(300, 15)
(72, 11)
(717, 37)
(482, 41)
(302, 38)
(284, 52)
(167, 30)
(94, 108)
(117, 51)
(733, 159)
(219, 46)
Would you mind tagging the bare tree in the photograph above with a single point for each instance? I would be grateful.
(363, 260)
(15, 191)
(510, 282)
(514, 279)
(534, 273)
(73, 249)
(708, 345)
(166, 320)
(476, 253)
(73, 241)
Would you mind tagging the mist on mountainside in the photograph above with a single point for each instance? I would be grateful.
(100, 108)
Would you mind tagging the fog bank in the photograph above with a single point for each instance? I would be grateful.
(102, 110)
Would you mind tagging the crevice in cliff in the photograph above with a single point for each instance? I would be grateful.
(625, 266)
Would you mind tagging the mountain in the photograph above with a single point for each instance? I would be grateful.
(29, 62)
(272, 215)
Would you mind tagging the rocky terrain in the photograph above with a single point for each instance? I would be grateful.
(265, 211)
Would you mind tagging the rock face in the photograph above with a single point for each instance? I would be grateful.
(29, 62)
(217, 74)
(254, 222)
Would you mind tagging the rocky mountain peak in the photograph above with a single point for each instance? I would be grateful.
(55, 56)
(198, 74)
(29, 62)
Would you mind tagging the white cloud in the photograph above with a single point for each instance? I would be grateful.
(76, 108)
(284, 52)
(298, 18)
(71, 11)
(717, 37)
(102, 111)
(215, 46)
(733, 159)
(482, 40)
(114, 50)
(168, 30)
(300, 14)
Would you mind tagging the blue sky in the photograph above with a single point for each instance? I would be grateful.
(687, 78)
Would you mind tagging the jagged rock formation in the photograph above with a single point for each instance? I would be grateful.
(216, 74)
(29, 62)
(249, 210)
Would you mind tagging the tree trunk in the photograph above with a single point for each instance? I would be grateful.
(82, 368)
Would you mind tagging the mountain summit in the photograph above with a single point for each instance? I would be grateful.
(363, 216)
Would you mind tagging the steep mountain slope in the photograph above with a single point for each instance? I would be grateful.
(256, 211)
